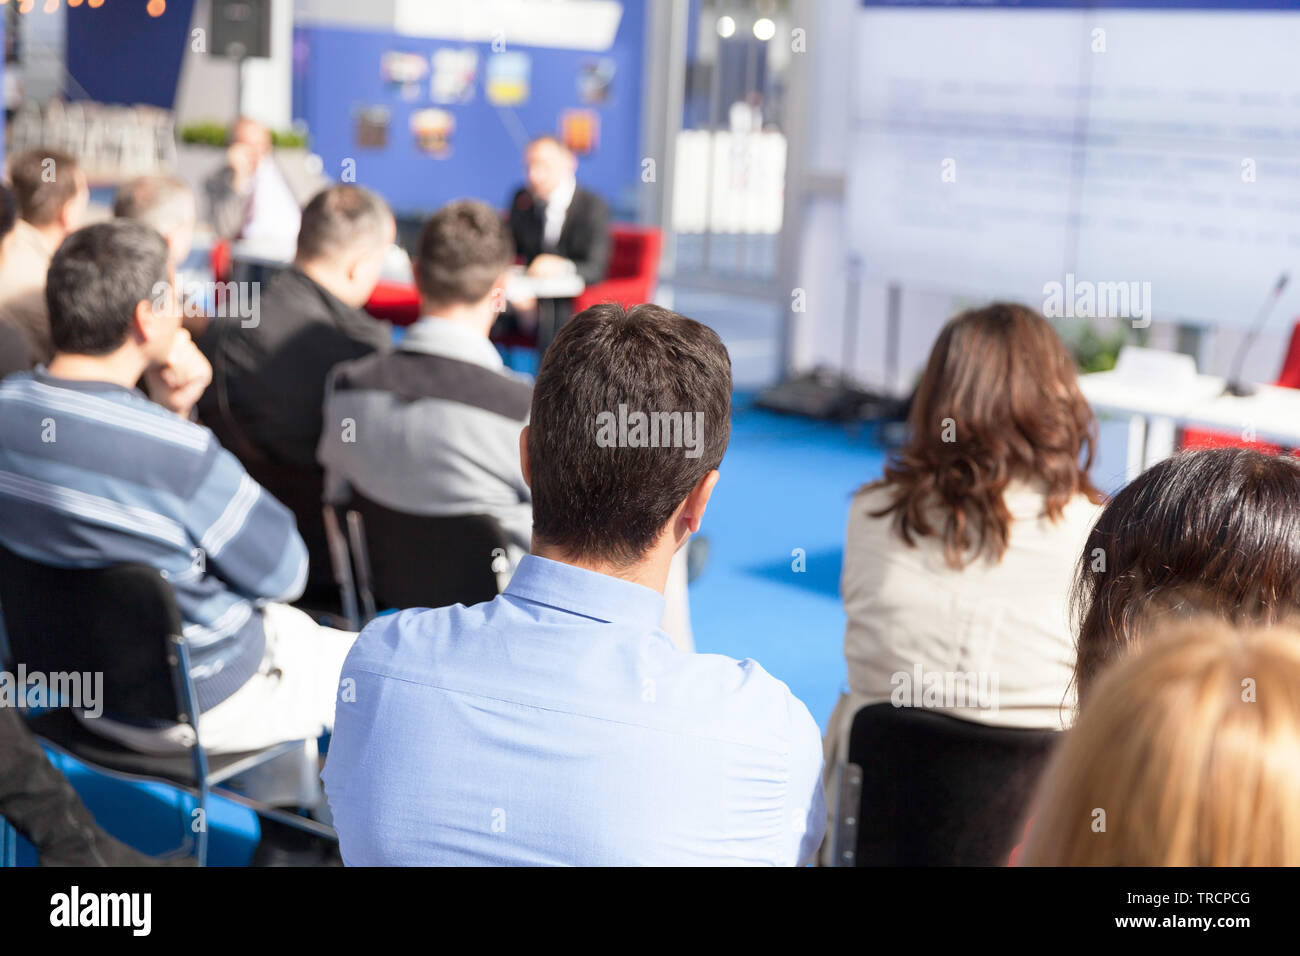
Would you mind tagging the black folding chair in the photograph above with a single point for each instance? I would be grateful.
(922, 788)
(400, 560)
(122, 621)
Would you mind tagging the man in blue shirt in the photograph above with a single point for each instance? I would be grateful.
(556, 724)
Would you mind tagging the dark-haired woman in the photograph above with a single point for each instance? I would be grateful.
(1213, 532)
(958, 562)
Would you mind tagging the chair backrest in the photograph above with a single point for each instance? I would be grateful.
(940, 791)
(425, 561)
(634, 252)
(118, 621)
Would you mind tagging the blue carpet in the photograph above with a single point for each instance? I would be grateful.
(783, 496)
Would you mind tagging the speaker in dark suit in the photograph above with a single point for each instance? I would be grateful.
(552, 218)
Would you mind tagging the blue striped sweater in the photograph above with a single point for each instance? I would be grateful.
(94, 474)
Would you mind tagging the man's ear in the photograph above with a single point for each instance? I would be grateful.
(523, 456)
(145, 324)
(68, 213)
(698, 500)
(498, 293)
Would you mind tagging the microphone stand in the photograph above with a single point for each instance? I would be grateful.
(1235, 386)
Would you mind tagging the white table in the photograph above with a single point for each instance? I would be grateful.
(1272, 414)
(546, 291)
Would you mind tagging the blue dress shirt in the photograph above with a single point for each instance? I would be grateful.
(557, 725)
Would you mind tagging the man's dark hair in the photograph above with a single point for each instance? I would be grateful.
(43, 181)
(1214, 532)
(463, 249)
(341, 218)
(97, 277)
(610, 501)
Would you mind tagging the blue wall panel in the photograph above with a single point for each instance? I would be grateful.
(338, 74)
(119, 54)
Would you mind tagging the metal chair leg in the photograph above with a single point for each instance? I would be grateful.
(8, 844)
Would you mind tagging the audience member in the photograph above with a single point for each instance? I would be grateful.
(41, 805)
(249, 197)
(433, 428)
(167, 204)
(564, 727)
(52, 198)
(1213, 532)
(437, 422)
(1183, 755)
(270, 370)
(960, 558)
(93, 473)
(15, 356)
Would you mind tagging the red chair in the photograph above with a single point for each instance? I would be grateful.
(395, 302)
(630, 280)
(1289, 377)
(633, 268)
(219, 260)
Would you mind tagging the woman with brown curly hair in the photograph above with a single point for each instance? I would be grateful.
(958, 562)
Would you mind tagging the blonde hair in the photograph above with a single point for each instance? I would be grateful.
(1187, 754)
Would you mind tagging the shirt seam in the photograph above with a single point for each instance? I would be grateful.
(785, 752)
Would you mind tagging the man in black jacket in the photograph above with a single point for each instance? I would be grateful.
(268, 371)
(558, 227)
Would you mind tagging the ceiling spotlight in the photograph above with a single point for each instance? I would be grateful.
(726, 27)
(764, 29)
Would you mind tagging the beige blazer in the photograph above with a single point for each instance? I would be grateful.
(1007, 622)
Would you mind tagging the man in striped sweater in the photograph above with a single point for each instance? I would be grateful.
(94, 473)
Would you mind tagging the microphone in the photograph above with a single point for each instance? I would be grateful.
(1235, 385)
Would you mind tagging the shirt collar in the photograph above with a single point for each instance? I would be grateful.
(589, 593)
(438, 336)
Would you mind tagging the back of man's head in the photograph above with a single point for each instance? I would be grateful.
(463, 249)
(163, 202)
(44, 181)
(97, 278)
(630, 411)
(340, 222)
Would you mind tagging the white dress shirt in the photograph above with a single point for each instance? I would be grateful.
(557, 207)
(273, 211)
